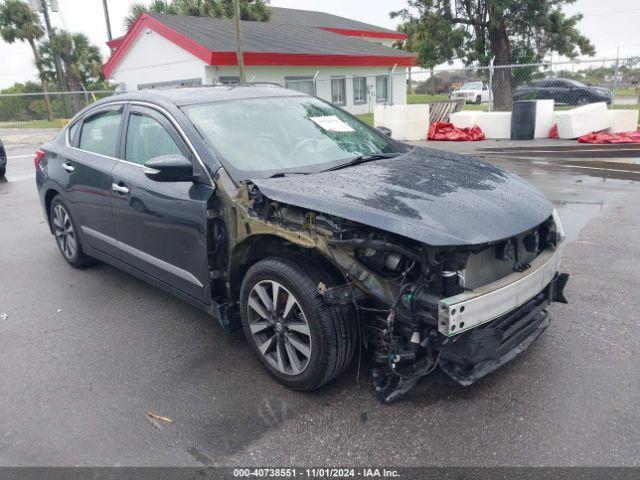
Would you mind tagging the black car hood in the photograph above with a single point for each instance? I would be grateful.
(428, 195)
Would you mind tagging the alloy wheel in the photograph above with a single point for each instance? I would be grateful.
(279, 327)
(65, 234)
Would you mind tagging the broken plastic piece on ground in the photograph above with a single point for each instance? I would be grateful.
(602, 137)
(155, 416)
(3, 316)
(553, 133)
(447, 131)
(153, 422)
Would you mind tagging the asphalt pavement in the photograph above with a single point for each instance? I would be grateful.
(85, 354)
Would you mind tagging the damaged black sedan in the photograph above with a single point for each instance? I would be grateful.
(321, 237)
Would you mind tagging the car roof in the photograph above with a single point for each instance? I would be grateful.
(204, 94)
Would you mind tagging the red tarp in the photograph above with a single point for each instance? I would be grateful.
(624, 137)
(553, 133)
(446, 131)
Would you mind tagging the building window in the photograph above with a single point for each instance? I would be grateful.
(339, 91)
(359, 90)
(301, 84)
(382, 89)
(229, 80)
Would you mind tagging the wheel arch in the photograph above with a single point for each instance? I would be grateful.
(48, 199)
(260, 246)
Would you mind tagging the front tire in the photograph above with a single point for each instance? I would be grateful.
(303, 342)
(3, 171)
(478, 100)
(66, 233)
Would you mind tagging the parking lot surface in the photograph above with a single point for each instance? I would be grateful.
(85, 354)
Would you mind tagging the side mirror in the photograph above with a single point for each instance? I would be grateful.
(169, 168)
(385, 131)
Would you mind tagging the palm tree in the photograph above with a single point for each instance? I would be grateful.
(19, 22)
(255, 10)
(157, 6)
(81, 61)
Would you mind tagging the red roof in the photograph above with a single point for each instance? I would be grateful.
(266, 43)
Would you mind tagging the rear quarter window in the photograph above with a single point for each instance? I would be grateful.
(73, 134)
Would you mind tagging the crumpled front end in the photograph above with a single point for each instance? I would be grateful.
(468, 309)
(465, 308)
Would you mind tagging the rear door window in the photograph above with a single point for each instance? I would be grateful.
(100, 133)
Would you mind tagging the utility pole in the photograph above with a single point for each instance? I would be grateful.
(239, 51)
(106, 18)
(54, 46)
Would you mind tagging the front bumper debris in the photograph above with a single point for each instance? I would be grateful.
(474, 354)
(470, 309)
(471, 355)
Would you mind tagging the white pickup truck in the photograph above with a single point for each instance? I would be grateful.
(472, 92)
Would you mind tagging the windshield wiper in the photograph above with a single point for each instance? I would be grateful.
(363, 159)
(284, 174)
(353, 161)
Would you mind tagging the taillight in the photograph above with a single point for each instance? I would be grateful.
(39, 155)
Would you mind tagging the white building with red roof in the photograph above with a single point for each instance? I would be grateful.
(349, 63)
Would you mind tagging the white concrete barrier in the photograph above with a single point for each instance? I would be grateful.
(545, 118)
(406, 122)
(582, 120)
(464, 119)
(495, 124)
(418, 127)
(622, 120)
(378, 115)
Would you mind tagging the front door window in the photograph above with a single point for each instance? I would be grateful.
(147, 139)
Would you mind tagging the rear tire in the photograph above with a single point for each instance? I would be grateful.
(303, 345)
(478, 100)
(66, 233)
(3, 171)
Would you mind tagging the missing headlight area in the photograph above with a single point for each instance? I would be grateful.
(467, 309)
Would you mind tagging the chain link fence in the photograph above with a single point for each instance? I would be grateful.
(568, 83)
(17, 108)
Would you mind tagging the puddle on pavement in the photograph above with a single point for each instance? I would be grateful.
(576, 215)
(580, 191)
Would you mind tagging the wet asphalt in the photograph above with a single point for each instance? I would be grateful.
(85, 354)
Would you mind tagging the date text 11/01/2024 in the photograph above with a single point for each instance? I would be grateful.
(316, 472)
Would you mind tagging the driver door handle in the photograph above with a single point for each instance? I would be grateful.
(121, 189)
(68, 167)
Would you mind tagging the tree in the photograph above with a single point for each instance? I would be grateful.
(81, 61)
(157, 6)
(503, 30)
(19, 22)
(23, 108)
(255, 10)
(431, 39)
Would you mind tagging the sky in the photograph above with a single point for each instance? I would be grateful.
(609, 27)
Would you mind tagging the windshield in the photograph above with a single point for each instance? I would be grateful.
(300, 134)
(472, 86)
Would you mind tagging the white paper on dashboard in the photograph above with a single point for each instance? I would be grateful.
(331, 123)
